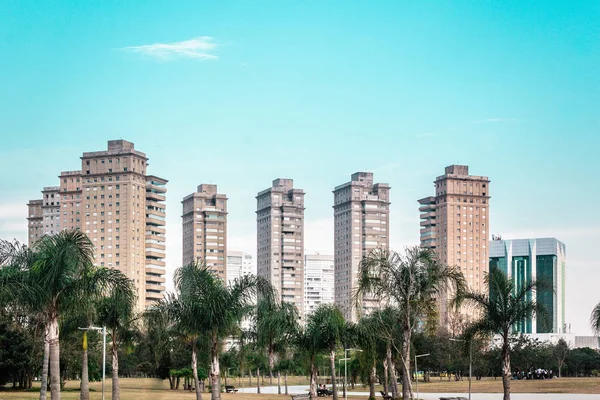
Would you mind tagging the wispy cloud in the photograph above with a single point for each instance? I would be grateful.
(200, 48)
(493, 120)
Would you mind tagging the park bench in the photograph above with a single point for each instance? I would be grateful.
(453, 398)
(324, 392)
(230, 389)
(385, 395)
(303, 396)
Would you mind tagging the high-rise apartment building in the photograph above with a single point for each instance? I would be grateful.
(524, 260)
(318, 281)
(455, 224)
(280, 240)
(361, 219)
(35, 221)
(204, 222)
(120, 208)
(44, 215)
(239, 264)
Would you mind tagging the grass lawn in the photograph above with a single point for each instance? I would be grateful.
(154, 389)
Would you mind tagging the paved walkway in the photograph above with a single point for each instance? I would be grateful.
(435, 396)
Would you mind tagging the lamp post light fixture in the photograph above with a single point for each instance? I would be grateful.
(346, 370)
(417, 371)
(103, 330)
(470, 360)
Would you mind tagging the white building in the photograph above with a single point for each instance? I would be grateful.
(239, 264)
(318, 281)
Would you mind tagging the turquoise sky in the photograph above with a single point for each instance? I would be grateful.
(240, 93)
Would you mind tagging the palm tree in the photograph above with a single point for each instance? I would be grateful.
(506, 306)
(274, 322)
(595, 319)
(61, 274)
(409, 282)
(330, 325)
(116, 313)
(308, 342)
(206, 305)
(367, 338)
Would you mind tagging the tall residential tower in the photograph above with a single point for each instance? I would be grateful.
(204, 222)
(280, 240)
(455, 224)
(361, 219)
(120, 208)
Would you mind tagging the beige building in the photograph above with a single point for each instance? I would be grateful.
(120, 208)
(455, 223)
(280, 240)
(35, 221)
(361, 219)
(204, 230)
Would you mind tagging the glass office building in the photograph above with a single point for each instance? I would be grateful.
(539, 259)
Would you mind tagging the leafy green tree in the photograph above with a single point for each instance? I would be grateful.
(15, 354)
(506, 306)
(409, 282)
(561, 351)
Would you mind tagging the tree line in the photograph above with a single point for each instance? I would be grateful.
(49, 291)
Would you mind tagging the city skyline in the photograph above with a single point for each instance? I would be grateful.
(401, 90)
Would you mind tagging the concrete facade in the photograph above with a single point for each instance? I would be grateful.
(120, 208)
(361, 224)
(280, 240)
(536, 259)
(455, 224)
(204, 230)
(318, 281)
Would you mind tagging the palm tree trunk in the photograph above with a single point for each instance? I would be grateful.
(54, 358)
(258, 380)
(278, 382)
(407, 392)
(372, 381)
(214, 369)
(392, 372)
(333, 382)
(115, 368)
(44, 387)
(195, 372)
(85, 382)
(285, 382)
(386, 386)
(506, 374)
(313, 379)
(271, 364)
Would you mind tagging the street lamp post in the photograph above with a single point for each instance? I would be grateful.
(470, 360)
(103, 330)
(417, 371)
(346, 370)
